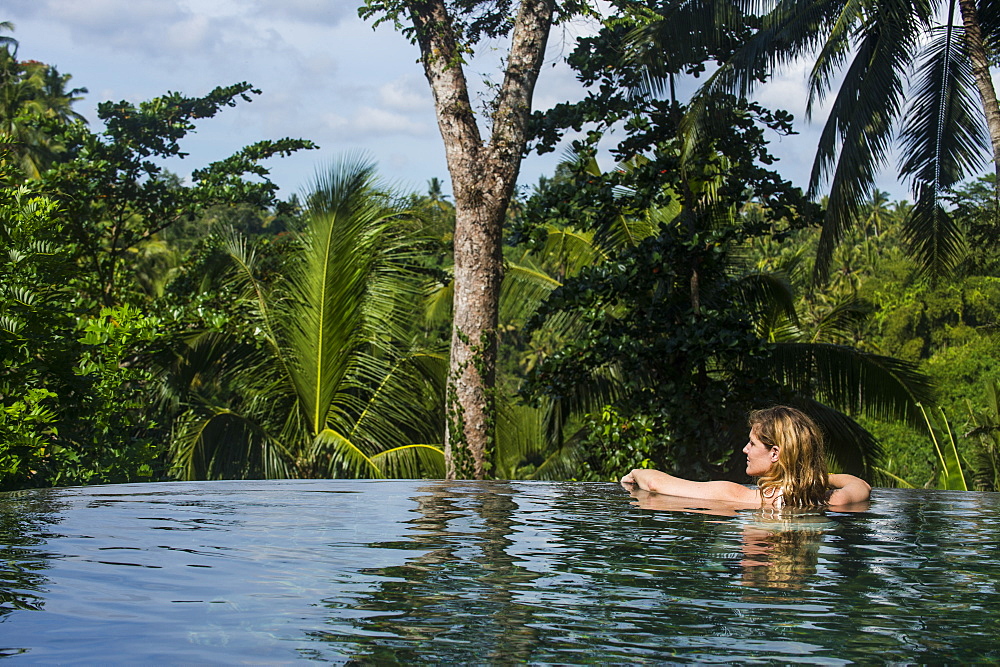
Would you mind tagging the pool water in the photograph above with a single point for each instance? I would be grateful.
(489, 572)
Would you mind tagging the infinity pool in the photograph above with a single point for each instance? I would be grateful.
(436, 572)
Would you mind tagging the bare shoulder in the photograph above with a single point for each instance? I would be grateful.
(848, 489)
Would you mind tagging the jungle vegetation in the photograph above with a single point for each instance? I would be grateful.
(154, 327)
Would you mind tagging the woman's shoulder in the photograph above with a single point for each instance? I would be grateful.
(847, 489)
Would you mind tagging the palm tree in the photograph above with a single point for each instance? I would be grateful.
(931, 107)
(331, 382)
(32, 93)
(4, 39)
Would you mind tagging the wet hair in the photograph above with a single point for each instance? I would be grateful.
(800, 473)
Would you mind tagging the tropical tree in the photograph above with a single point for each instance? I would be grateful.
(329, 379)
(34, 103)
(116, 196)
(675, 321)
(483, 172)
(639, 331)
(906, 73)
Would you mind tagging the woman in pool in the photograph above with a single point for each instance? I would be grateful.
(786, 455)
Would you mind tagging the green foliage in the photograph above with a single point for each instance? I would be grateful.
(34, 103)
(115, 197)
(323, 377)
(614, 444)
(26, 425)
(944, 326)
(31, 333)
(985, 454)
(114, 439)
(82, 388)
(950, 475)
(687, 332)
(30, 261)
(900, 74)
(673, 322)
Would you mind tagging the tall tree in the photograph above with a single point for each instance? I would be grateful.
(483, 175)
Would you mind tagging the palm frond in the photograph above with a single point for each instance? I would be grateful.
(342, 455)
(244, 257)
(523, 289)
(943, 139)
(382, 404)
(438, 303)
(335, 378)
(861, 120)
(848, 379)
(566, 250)
(526, 447)
(931, 233)
(899, 481)
(950, 475)
(834, 52)
(943, 136)
(411, 461)
(344, 291)
(849, 446)
(839, 323)
(988, 12)
(768, 294)
(687, 27)
(224, 445)
(788, 30)
(562, 464)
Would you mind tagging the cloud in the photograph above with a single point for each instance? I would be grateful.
(406, 94)
(375, 121)
(324, 12)
(788, 89)
(370, 122)
(157, 29)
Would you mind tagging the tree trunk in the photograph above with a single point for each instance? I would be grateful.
(981, 71)
(483, 177)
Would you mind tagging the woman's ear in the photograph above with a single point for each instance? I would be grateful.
(774, 453)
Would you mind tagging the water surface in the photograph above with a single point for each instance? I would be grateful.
(439, 572)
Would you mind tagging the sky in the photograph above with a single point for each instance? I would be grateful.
(325, 75)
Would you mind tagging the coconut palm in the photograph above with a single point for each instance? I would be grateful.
(331, 382)
(32, 93)
(904, 72)
(10, 42)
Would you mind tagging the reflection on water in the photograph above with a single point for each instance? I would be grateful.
(437, 572)
(465, 577)
(24, 518)
(779, 548)
(782, 553)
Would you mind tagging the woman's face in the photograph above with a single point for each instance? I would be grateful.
(759, 456)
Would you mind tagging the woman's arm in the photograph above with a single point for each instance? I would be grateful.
(661, 482)
(848, 489)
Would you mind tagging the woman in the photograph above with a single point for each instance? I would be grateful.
(786, 455)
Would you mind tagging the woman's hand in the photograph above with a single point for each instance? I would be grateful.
(628, 479)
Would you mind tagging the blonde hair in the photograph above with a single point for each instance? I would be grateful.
(800, 474)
